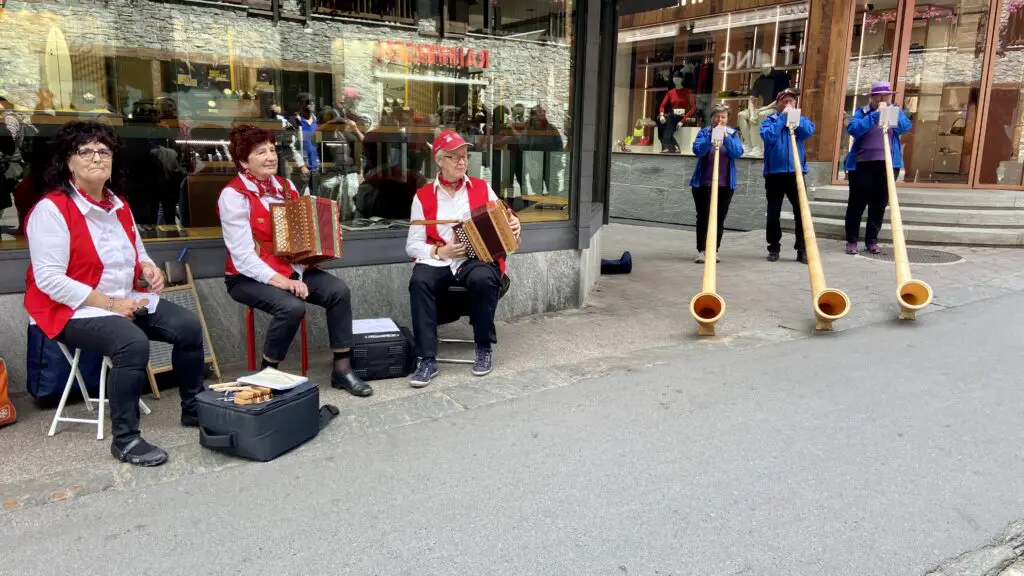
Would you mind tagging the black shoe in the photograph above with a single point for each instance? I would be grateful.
(773, 257)
(190, 420)
(351, 383)
(139, 452)
(801, 256)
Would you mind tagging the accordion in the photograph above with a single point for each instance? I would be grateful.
(306, 230)
(488, 233)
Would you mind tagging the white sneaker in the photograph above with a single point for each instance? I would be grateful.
(700, 258)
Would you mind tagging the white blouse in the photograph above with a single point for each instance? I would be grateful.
(49, 246)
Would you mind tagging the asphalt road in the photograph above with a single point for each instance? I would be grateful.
(874, 451)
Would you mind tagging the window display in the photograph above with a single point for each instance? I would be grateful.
(669, 76)
(355, 107)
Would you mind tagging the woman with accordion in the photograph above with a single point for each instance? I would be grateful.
(256, 277)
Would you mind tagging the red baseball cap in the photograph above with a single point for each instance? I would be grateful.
(449, 141)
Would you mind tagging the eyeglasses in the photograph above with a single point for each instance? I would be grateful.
(90, 153)
(458, 159)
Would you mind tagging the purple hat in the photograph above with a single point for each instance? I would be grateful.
(881, 87)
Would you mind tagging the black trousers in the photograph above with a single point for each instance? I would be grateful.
(287, 310)
(126, 342)
(702, 201)
(779, 187)
(868, 187)
(481, 280)
(667, 132)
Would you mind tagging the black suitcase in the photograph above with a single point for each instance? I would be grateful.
(381, 355)
(262, 431)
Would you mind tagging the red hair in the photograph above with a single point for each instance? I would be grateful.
(243, 139)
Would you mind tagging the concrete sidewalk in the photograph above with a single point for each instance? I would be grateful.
(629, 323)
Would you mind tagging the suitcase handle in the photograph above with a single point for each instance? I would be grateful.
(216, 440)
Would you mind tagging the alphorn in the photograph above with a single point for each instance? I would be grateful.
(830, 304)
(911, 295)
(708, 307)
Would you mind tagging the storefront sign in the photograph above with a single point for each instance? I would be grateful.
(750, 59)
(432, 55)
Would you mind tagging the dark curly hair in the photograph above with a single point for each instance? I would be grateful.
(243, 139)
(68, 139)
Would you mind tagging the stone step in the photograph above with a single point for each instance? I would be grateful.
(921, 234)
(928, 197)
(928, 215)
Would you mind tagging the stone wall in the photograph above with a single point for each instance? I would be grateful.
(520, 71)
(656, 188)
(541, 282)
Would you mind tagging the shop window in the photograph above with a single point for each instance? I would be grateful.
(669, 76)
(379, 94)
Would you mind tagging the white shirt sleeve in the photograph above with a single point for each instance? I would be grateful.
(491, 196)
(416, 243)
(49, 248)
(143, 255)
(234, 222)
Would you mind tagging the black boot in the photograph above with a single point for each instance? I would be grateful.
(801, 256)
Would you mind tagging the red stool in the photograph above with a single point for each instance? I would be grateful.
(250, 341)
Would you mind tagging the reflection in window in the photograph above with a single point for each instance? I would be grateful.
(670, 75)
(354, 107)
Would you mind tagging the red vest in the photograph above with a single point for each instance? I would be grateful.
(478, 196)
(84, 264)
(262, 229)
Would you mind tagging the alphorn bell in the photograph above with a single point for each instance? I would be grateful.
(912, 295)
(708, 307)
(830, 304)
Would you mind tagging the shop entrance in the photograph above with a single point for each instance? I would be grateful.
(955, 66)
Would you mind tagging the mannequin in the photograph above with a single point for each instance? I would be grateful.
(676, 107)
(761, 105)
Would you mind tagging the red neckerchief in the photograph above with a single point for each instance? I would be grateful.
(107, 204)
(263, 187)
(452, 183)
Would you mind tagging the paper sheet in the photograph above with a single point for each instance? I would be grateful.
(374, 325)
(273, 379)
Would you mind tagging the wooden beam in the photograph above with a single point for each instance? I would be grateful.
(824, 76)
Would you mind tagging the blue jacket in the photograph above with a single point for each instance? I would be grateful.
(862, 122)
(778, 151)
(309, 153)
(732, 146)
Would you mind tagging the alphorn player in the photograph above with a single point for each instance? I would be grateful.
(441, 261)
(700, 183)
(780, 172)
(257, 278)
(865, 165)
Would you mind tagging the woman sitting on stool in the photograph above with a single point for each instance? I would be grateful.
(704, 150)
(257, 278)
(441, 261)
(83, 287)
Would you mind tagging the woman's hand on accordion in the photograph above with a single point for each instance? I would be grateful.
(296, 287)
(515, 225)
(451, 251)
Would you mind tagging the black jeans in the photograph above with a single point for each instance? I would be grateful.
(779, 187)
(287, 310)
(126, 342)
(481, 280)
(868, 187)
(702, 200)
(667, 131)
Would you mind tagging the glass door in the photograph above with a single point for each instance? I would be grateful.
(875, 37)
(1001, 150)
(939, 86)
(934, 53)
